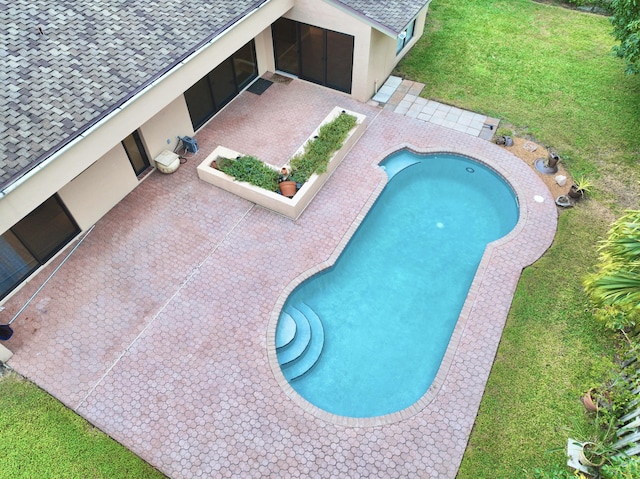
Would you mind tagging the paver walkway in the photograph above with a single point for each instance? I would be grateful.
(158, 328)
(403, 97)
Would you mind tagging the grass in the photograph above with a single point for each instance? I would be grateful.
(545, 69)
(43, 438)
(547, 72)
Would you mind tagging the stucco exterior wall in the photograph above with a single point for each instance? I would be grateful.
(161, 131)
(90, 195)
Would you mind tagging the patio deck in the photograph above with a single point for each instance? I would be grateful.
(158, 329)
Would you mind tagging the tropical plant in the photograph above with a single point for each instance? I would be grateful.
(582, 185)
(621, 467)
(615, 287)
(597, 440)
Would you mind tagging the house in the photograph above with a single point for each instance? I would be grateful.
(94, 91)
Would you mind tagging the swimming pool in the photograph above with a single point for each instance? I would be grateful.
(366, 337)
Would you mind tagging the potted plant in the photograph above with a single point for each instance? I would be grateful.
(596, 442)
(287, 185)
(590, 400)
(580, 188)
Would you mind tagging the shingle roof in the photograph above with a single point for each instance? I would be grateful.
(87, 58)
(391, 16)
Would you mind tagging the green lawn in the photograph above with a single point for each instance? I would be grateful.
(41, 438)
(549, 73)
(545, 69)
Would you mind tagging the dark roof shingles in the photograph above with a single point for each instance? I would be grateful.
(90, 57)
(393, 15)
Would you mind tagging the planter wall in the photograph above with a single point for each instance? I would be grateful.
(290, 207)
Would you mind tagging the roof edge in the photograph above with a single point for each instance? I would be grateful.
(16, 179)
(361, 16)
(370, 21)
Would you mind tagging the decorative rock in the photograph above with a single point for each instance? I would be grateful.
(504, 140)
(561, 180)
(530, 146)
(564, 201)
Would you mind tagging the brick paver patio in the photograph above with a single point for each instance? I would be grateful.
(159, 328)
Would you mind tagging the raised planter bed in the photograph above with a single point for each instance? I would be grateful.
(290, 207)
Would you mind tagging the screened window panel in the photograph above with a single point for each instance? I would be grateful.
(46, 229)
(339, 61)
(200, 102)
(223, 83)
(16, 263)
(244, 64)
(312, 57)
(285, 44)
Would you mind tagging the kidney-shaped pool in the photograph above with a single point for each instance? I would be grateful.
(366, 337)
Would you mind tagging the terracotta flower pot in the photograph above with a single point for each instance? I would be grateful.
(288, 188)
(588, 402)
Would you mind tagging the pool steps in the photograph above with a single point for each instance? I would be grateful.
(396, 164)
(298, 355)
(286, 331)
(300, 343)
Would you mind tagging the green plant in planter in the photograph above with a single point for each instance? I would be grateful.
(597, 441)
(318, 151)
(250, 170)
(314, 159)
(580, 187)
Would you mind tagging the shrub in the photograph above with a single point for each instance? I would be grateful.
(317, 152)
(621, 467)
(614, 288)
(250, 170)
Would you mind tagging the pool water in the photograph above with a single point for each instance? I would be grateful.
(390, 303)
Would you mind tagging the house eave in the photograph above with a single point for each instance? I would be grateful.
(386, 30)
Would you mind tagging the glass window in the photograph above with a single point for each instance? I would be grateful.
(15, 262)
(32, 241)
(245, 65)
(315, 54)
(339, 61)
(285, 45)
(136, 152)
(221, 85)
(405, 36)
(200, 102)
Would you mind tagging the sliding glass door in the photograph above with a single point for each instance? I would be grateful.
(221, 85)
(314, 54)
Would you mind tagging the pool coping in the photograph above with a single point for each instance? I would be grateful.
(466, 313)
